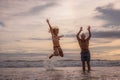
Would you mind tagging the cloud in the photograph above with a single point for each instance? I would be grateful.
(18, 40)
(2, 24)
(70, 35)
(39, 39)
(101, 34)
(105, 47)
(36, 10)
(109, 14)
(106, 34)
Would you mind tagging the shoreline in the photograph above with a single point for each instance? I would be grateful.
(56, 63)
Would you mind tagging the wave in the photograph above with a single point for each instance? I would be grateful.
(55, 63)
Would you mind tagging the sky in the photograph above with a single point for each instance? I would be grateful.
(23, 27)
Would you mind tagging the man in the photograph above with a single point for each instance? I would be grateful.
(84, 45)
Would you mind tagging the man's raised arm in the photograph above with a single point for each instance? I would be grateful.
(79, 33)
(89, 36)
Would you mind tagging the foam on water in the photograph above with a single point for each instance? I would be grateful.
(49, 64)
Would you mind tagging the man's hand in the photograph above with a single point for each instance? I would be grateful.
(89, 33)
(79, 33)
(88, 28)
(80, 28)
(47, 20)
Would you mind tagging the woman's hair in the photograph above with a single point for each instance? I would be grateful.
(55, 30)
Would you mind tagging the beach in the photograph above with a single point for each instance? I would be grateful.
(61, 73)
(51, 39)
(56, 69)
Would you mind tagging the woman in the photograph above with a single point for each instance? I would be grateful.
(55, 38)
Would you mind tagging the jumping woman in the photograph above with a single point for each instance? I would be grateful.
(55, 39)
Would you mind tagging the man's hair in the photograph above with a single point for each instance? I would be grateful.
(82, 34)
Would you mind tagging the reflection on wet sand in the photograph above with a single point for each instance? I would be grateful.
(64, 73)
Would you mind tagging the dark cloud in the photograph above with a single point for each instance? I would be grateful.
(109, 14)
(97, 49)
(2, 24)
(98, 40)
(70, 35)
(18, 40)
(101, 34)
(36, 10)
(106, 34)
(39, 39)
(105, 47)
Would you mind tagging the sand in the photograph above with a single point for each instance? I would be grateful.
(60, 73)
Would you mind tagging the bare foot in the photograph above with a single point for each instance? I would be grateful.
(88, 71)
(50, 56)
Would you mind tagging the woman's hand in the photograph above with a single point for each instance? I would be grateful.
(80, 28)
(47, 20)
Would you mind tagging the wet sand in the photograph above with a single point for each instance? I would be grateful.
(63, 73)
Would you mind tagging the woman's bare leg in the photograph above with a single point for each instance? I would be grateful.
(60, 52)
(51, 56)
(55, 53)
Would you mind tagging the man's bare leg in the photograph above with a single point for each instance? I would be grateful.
(88, 65)
(83, 66)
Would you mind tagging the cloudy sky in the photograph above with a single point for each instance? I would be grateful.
(23, 27)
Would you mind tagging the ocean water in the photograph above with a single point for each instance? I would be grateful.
(35, 56)
(21, 56)
(39, 67)
(42, 60)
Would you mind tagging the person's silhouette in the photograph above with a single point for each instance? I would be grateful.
(55, 38)
(84, 45)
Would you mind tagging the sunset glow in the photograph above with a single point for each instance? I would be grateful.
(23, 27)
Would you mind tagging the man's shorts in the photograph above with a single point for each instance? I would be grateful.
(85, 56)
